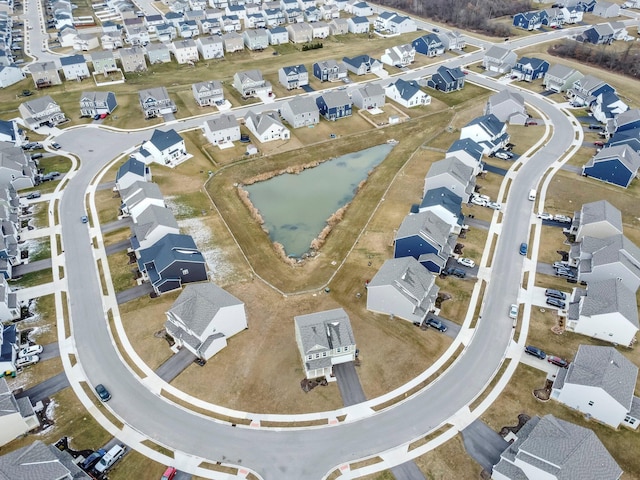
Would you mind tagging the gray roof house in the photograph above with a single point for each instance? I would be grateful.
(132, 171)
(138, 196)
(42, 462)
(399, 55)
(560, 78)
(266, 126)
(250, 83)
(444, 203)
(97, 102)
(256, 39)
(293, 76)
(133, 60)
(488, 131)
(499, 59)
(203, 317)
(9, 307)
(548, 447)
(210, 47)
(606, 310)
(599, 259)
(508, 107)
(596, 219)
(300, 112)
(600, 383)
(222, 130)
(153, 223)
(103, 62)
(324, 339)
(452, 174)
(402, 288)
(368, 96)
(156, 102)
(16, 167)
(300, 32)
(158, 52)
(339, 26)
(233, 42)
(45, 74)
(208, 93)
(41, 111)
(16, 417)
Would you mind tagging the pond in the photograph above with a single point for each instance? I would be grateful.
(296, 207)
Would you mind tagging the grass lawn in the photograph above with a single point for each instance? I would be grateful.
(552, 239)
(32, 279)
(34, 374)
(136, 465)
(43, 320)
(39, 249)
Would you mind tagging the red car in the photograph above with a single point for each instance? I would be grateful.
(560, 362)
(169, 473)
(103, 115)
(599, 144)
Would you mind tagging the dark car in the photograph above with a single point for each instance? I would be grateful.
(103, 393)
(32, 195)
(523, 248)
(56, 146)
(96, 116)
(437, 324)
(92, 459)
(36, 156)
(550, 292)
(535, 351)
(560, 362)
(555, 302)
(456, 272)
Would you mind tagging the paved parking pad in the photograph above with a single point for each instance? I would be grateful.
(407, 471)
(483, 444)
(349, 384)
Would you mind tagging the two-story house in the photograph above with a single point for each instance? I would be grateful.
(251, 84)
(447, 79)
(164, 147)
(208, 93)
(44, 74)
(293, 76)
(330, 70)
(399, 56)
(41, 111)
(156, 102)
(499, 59)
(266, 126)
(94, 103)
(300, 112)
(334, 105)
(222, 130)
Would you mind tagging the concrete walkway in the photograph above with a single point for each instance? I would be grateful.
(483, 444)
(31, 267)
(349, 384)
(175, 365)
(45, 389)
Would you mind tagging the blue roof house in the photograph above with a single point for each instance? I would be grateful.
(429, 45)
(445, 204)
(601, 34)
(468, 151)
(629, 120)
(447, 79)
(131, 171)
(528, 20)
(530, 69)
(363, 64)
(334, 105)
(616, 165)
(171, 262)
(427, 238)
(626, 137)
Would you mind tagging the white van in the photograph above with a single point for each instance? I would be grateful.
(532, 195)
(114, 454)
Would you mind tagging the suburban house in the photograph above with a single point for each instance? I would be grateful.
(529, 69)
(606, 9)
(16, 169)
(452, 40)
(444, 203)
(339, 26)
(625, 137)
(74, 67)
(156, 102)
(203, 317)
(185, 51)
(330, 70)
(469, 151)
(8, 349)
(10, 74)
(600, 383)
(278, 35)
(629, 120)
(94, 103)
(334, 105)
(233, 42)
(600, 259)
(11, 132)
(112, 40)
(427, 238)
(596, 219)
(617, 165)
(560, 78)
(16, 417)
(41, 461)
(528, 20)
(130, 172)
(133, 60)
(585, 89)
(391, 23)
(605, 310)
(607, 106)
(359, 8)
(104, 62)
(294, 76)
(320, 29)
(363, 65)
(251, 84)
(138, 196)
(166, 32)
(358, 25)
(508, 107)
(447, 79)
(41, 111)
(429, 45)
(208, 93)
(255, 39)
(452, 174)
(158, 53)
(44, 74)
(151, 225)
(324, 339)
(222, 130)
(300, 32)
(407, 93)
(9, 307)
(210, 47)
(266, 126)
(399, 56)
(164, 147)
(300, 112)
(499, 59)
(402, 288)
(488, 131)
(368, 96)
(551, 448)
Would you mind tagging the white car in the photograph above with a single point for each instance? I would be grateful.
(467, 262)
(562, 218)
(513, 311)
(503, 155)
(30, 350)
(24, 361)
(494, 205)
(545, 216)
(479, 201)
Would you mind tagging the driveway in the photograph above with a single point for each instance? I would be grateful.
(118, 246)
(36, 266)
(117, 225)
(133, 293)
(492, 169)
(175, 365)
(45, 389)
(483, 444)
(407, 471)
(349, 384)
(453, 329)
(49, 351)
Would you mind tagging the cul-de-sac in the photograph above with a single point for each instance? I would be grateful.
(319, 239)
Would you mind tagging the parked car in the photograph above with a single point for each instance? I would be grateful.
(565, 272)
(494, 205)
(560, 362)
(503, 155)
(535, 351)
(56, 146)
(437, 324)
(24, 361)
(599, 143)
(513, 311)
(551, 292)
(92, 459)
(556, 302)
(467, 262)
(545, 216)
(36, 156)
(169, 473)
(530, 122)
(103, 393)
(96, 116)
(456, 272)
(114, 454)
(562, 218)
(84, 219)
(478, 201)
(595, 126)
(30, 350)
(103, 115)
(32, 195)
(523, 248)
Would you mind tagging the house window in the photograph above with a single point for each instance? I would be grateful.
(324, 354)
(317, 355)
(338, 350)
(591, 403)
(629, 420)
